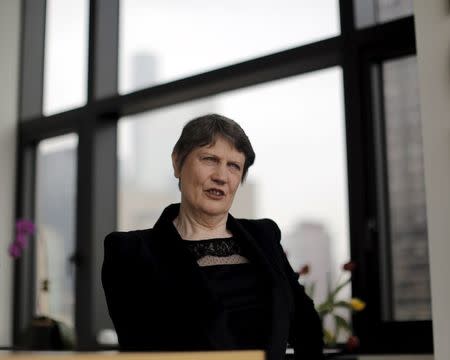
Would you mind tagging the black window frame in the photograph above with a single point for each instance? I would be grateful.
(354, 50)
(415, 336)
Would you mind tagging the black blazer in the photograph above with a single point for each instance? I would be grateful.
(158, 298)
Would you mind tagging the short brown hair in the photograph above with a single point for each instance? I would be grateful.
(204, 130)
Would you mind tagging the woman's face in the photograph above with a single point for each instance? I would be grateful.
(209, 178)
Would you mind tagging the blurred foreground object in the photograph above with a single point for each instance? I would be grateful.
(45, 333)
(204, 355)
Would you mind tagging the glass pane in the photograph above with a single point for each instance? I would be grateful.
(161, 41)
(406, 191)
(66, 49)
(371, 12)
(55, 224)
(299, 178)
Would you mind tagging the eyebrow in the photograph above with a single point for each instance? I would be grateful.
(237, 162)
(203, 153)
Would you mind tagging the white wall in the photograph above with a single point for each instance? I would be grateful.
(9, 70)
(433, 49)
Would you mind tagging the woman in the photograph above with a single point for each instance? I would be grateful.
(201, 279)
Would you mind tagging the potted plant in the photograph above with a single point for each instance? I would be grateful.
(331, 307)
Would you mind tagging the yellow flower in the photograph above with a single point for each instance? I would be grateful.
(357, 304)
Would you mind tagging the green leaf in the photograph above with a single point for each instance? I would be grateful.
(324, 308)
(339, 287)
(342, 323)
(312, 290)
(343, 304)
(328, 337)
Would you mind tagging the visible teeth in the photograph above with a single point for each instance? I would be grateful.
(216, 192)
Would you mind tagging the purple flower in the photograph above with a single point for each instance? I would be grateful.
(21, 240)
(15, 250)
(24, 226)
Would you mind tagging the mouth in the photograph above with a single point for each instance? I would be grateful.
(215, 193)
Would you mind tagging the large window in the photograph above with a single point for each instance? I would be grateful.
(299, 179)
(326, 91)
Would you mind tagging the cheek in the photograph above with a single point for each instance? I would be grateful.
(194, 180)
(201, 176)
(235, 185)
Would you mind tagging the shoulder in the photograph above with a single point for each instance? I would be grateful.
(124, 242)
(265, 226)
(127, 236)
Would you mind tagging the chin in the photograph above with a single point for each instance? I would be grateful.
(215, 209)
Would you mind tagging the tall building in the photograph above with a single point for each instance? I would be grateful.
(310, 244)
(408, 224)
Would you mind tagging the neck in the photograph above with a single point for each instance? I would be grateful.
(192, 226)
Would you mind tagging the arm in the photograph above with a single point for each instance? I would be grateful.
(115, 285)
(120, 279)
(305, 333)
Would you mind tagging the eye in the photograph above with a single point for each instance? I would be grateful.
(235, 166)
(209, 158)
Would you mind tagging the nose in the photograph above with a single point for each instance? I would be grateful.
(219, 176)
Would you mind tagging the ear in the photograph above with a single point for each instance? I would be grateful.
(176, 171)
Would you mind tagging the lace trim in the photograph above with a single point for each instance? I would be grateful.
(227, 260)
(216, 251)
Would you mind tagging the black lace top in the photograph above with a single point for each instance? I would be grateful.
(240, 286)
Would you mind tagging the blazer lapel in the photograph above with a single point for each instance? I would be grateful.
(251, 245)
(282, 302)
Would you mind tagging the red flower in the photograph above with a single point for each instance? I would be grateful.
(352, 343)
(304, 270)
(350, 266)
